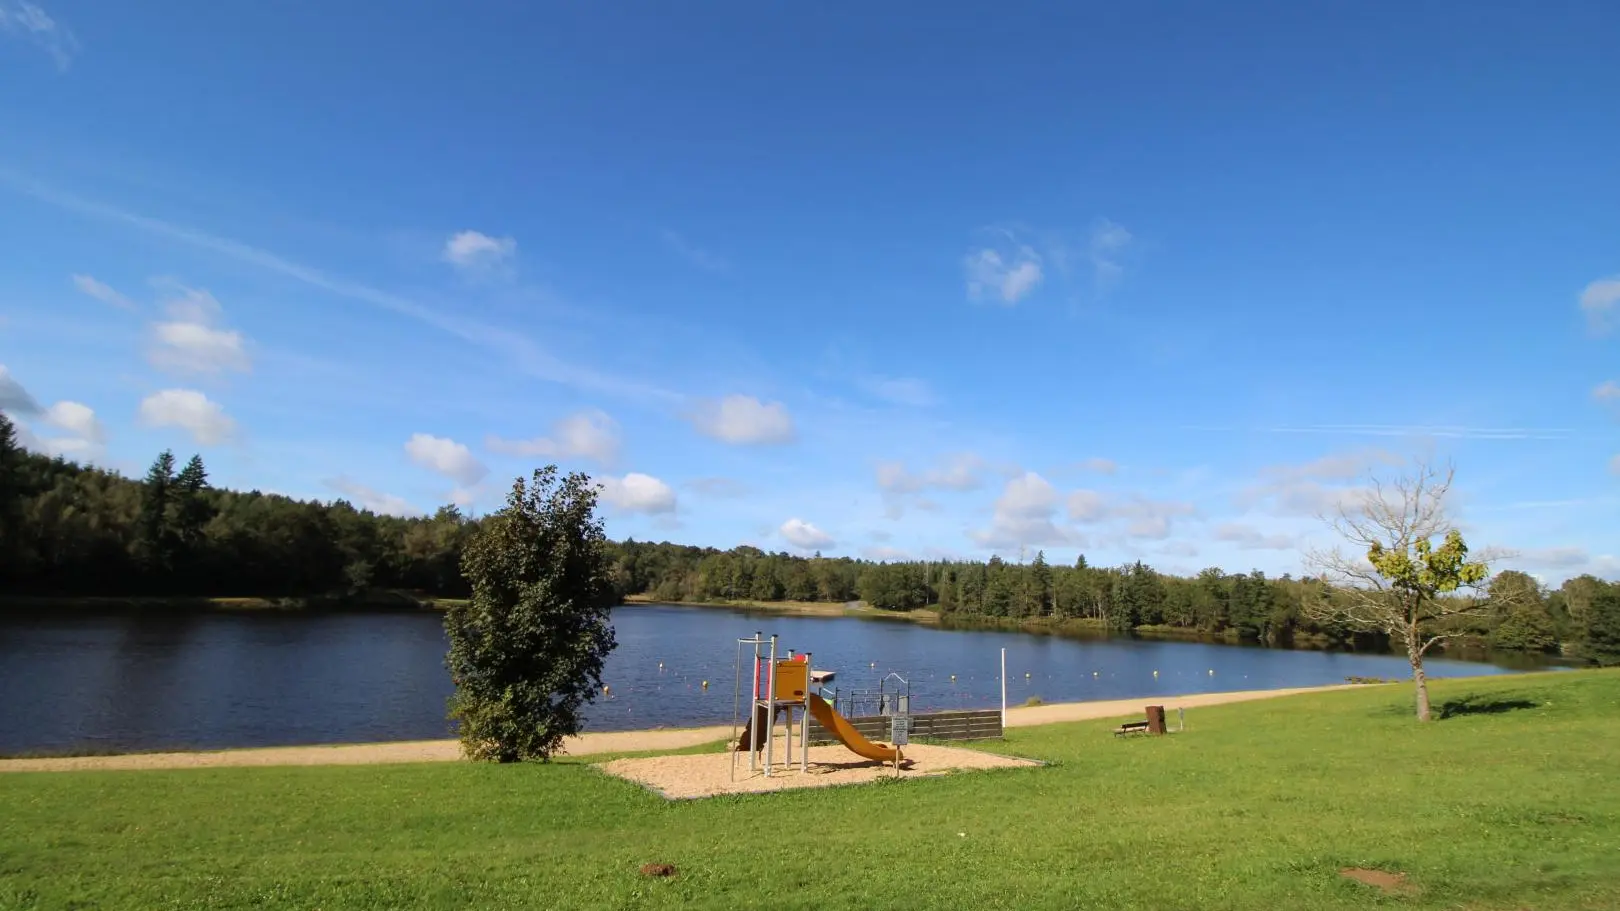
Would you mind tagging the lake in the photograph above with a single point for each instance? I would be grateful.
(201, 680)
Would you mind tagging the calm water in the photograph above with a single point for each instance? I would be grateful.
(210, 680)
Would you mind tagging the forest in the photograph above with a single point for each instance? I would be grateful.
(69, 530)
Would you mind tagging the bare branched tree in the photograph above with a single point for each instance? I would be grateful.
(1388, 575)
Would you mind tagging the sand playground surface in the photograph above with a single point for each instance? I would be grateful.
(710, 774)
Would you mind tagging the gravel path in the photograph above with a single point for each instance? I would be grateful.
(586, 744)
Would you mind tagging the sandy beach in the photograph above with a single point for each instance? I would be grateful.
(586, 744)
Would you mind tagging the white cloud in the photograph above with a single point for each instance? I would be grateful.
(1100, 466)
(958, 472)
(1179, 549)
(1247, 537)
(1009, 279)
(83, 437)
(1143, 517)
(447, 457)
(901, 390)
(102, 292)
(1598, 301)
(190, 411)
(742, 419)
(1607, 392)
(636, 492)
(1108, 240)
(1023, 516)
(516, 347)
(697, 256)
(1315, 488)
(585, 435)
(31, 23)
(1614, 465)
(366, 498)
(473, 251)
(805, 536)
(78, 420)
(190, 341)
(13, 397)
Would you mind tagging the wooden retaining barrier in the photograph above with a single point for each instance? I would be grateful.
(978, 724)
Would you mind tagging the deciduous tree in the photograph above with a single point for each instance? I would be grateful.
(527, 650)
(1390, 576)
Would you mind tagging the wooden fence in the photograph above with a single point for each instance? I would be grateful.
(983, 724)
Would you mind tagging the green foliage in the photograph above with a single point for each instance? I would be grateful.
(80, 531)
(1425, 572)
(1526, 629)
(1257, 806)
(526, 651)
(1600, 626)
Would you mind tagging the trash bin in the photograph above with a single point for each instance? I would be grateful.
(1155, 719)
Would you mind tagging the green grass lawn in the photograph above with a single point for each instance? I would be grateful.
(1513, 804)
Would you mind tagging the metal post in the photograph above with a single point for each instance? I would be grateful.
(753, 710)
(1004, 687)
(770, 709)
(804, 718)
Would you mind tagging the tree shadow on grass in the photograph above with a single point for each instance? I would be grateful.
(1481, 705)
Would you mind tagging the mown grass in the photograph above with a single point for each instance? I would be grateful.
(1511, 802)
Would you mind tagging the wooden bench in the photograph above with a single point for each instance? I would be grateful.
(1131, 727)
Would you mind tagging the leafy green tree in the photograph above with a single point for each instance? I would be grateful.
(527, 650)
(1397, 580)
(1600, 625)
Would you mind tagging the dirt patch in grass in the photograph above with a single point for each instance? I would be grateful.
(1383, 880)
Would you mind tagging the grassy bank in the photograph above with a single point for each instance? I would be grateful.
(1509, 802)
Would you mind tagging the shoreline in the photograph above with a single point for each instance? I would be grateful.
(593, 743)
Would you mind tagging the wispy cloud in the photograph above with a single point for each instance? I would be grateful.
(900, 390)
(524, 353)
(1430, 430)
(697, 256)
(378, 502)
(1008, 279)
(32, 24)
(102, 292)
(1598, 302)
(477, 252)
(1105, 249)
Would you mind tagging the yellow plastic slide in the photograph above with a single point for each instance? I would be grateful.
(847, 735)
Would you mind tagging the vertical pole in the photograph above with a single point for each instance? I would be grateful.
(804, 718)
(1003, 687)
(770, 710)
(753, 711)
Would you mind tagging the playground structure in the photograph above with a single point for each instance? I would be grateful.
(781, 687)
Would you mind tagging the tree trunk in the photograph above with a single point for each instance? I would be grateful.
(1422, 682)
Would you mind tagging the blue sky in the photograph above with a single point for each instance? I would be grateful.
(1154, 282)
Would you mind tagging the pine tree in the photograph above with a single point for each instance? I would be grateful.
(155, 537)
(191, 508)
(1041, 584)
(10, 493)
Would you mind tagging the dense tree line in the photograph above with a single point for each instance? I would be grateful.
(67, 529)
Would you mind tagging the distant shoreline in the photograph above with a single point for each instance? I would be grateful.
(801, 608)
